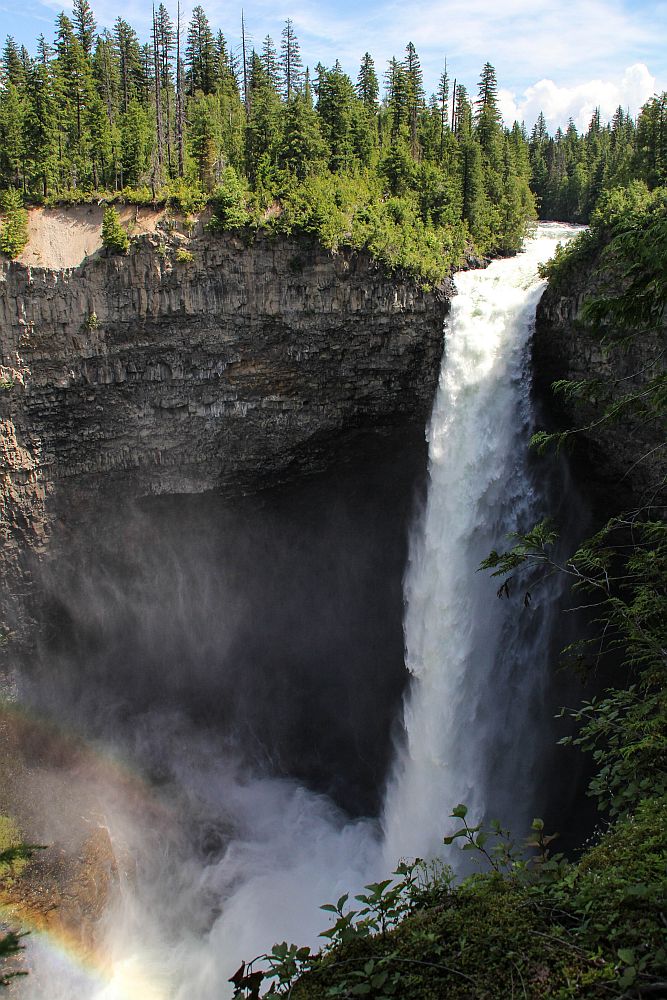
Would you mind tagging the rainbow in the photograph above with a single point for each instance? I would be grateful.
(97, 974)
(53, 951)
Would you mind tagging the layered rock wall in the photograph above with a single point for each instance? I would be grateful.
(147, 374)
(622, 461)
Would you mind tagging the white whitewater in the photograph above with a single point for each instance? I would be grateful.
(181, 925)
(472, 713)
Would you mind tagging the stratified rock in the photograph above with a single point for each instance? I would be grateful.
(623, 461)
(142, 374)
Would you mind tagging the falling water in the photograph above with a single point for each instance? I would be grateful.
(472, 715)
(181, 922)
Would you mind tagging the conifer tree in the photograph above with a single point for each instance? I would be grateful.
(442, 105)
(106, 74)
(84, 24)
(75, 92)
(114, 237)
(14, 228)
(12, 137)
(180, 96)
(264, 125)
(474, 205)
(270, 62)
(302, 149)
(462, 113)
(13, 70)
(290, 62)
(651, 159)
(398, 167)
(44, 50)
(200, 54)
(341, 114)
(367, 88)
(137, 139)
(204, 135)
(165, 98)
(129, 58)
(487, 116)
(397, 98)
(101, 144)
(40, 126)
(415, 92)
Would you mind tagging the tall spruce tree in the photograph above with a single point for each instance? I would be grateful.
(200, 54)
(368, 89)
(291, 65)
(271, 62)
(442, 105)
(129, 60)
(415, 93)
(84, 25)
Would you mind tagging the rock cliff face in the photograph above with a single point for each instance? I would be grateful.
(137, 375)
(620, 462)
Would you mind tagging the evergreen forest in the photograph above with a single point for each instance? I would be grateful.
(186, 119)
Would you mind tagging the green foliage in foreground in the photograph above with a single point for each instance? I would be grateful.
(530, 924)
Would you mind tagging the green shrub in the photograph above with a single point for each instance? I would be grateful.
(114, 237)
(141, 196)
(184, 256)
(185, 196)
(229, 203)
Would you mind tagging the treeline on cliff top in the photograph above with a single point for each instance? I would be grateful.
(184, 119)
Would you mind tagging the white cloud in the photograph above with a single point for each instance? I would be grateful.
(579, 101)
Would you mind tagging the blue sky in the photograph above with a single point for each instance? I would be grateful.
(564, 58)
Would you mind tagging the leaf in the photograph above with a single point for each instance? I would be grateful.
(460, 811)
(379, 980)
(238, 976)
(628, 977)
(452, 837)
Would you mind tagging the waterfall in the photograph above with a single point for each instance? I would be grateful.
(472, 714)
